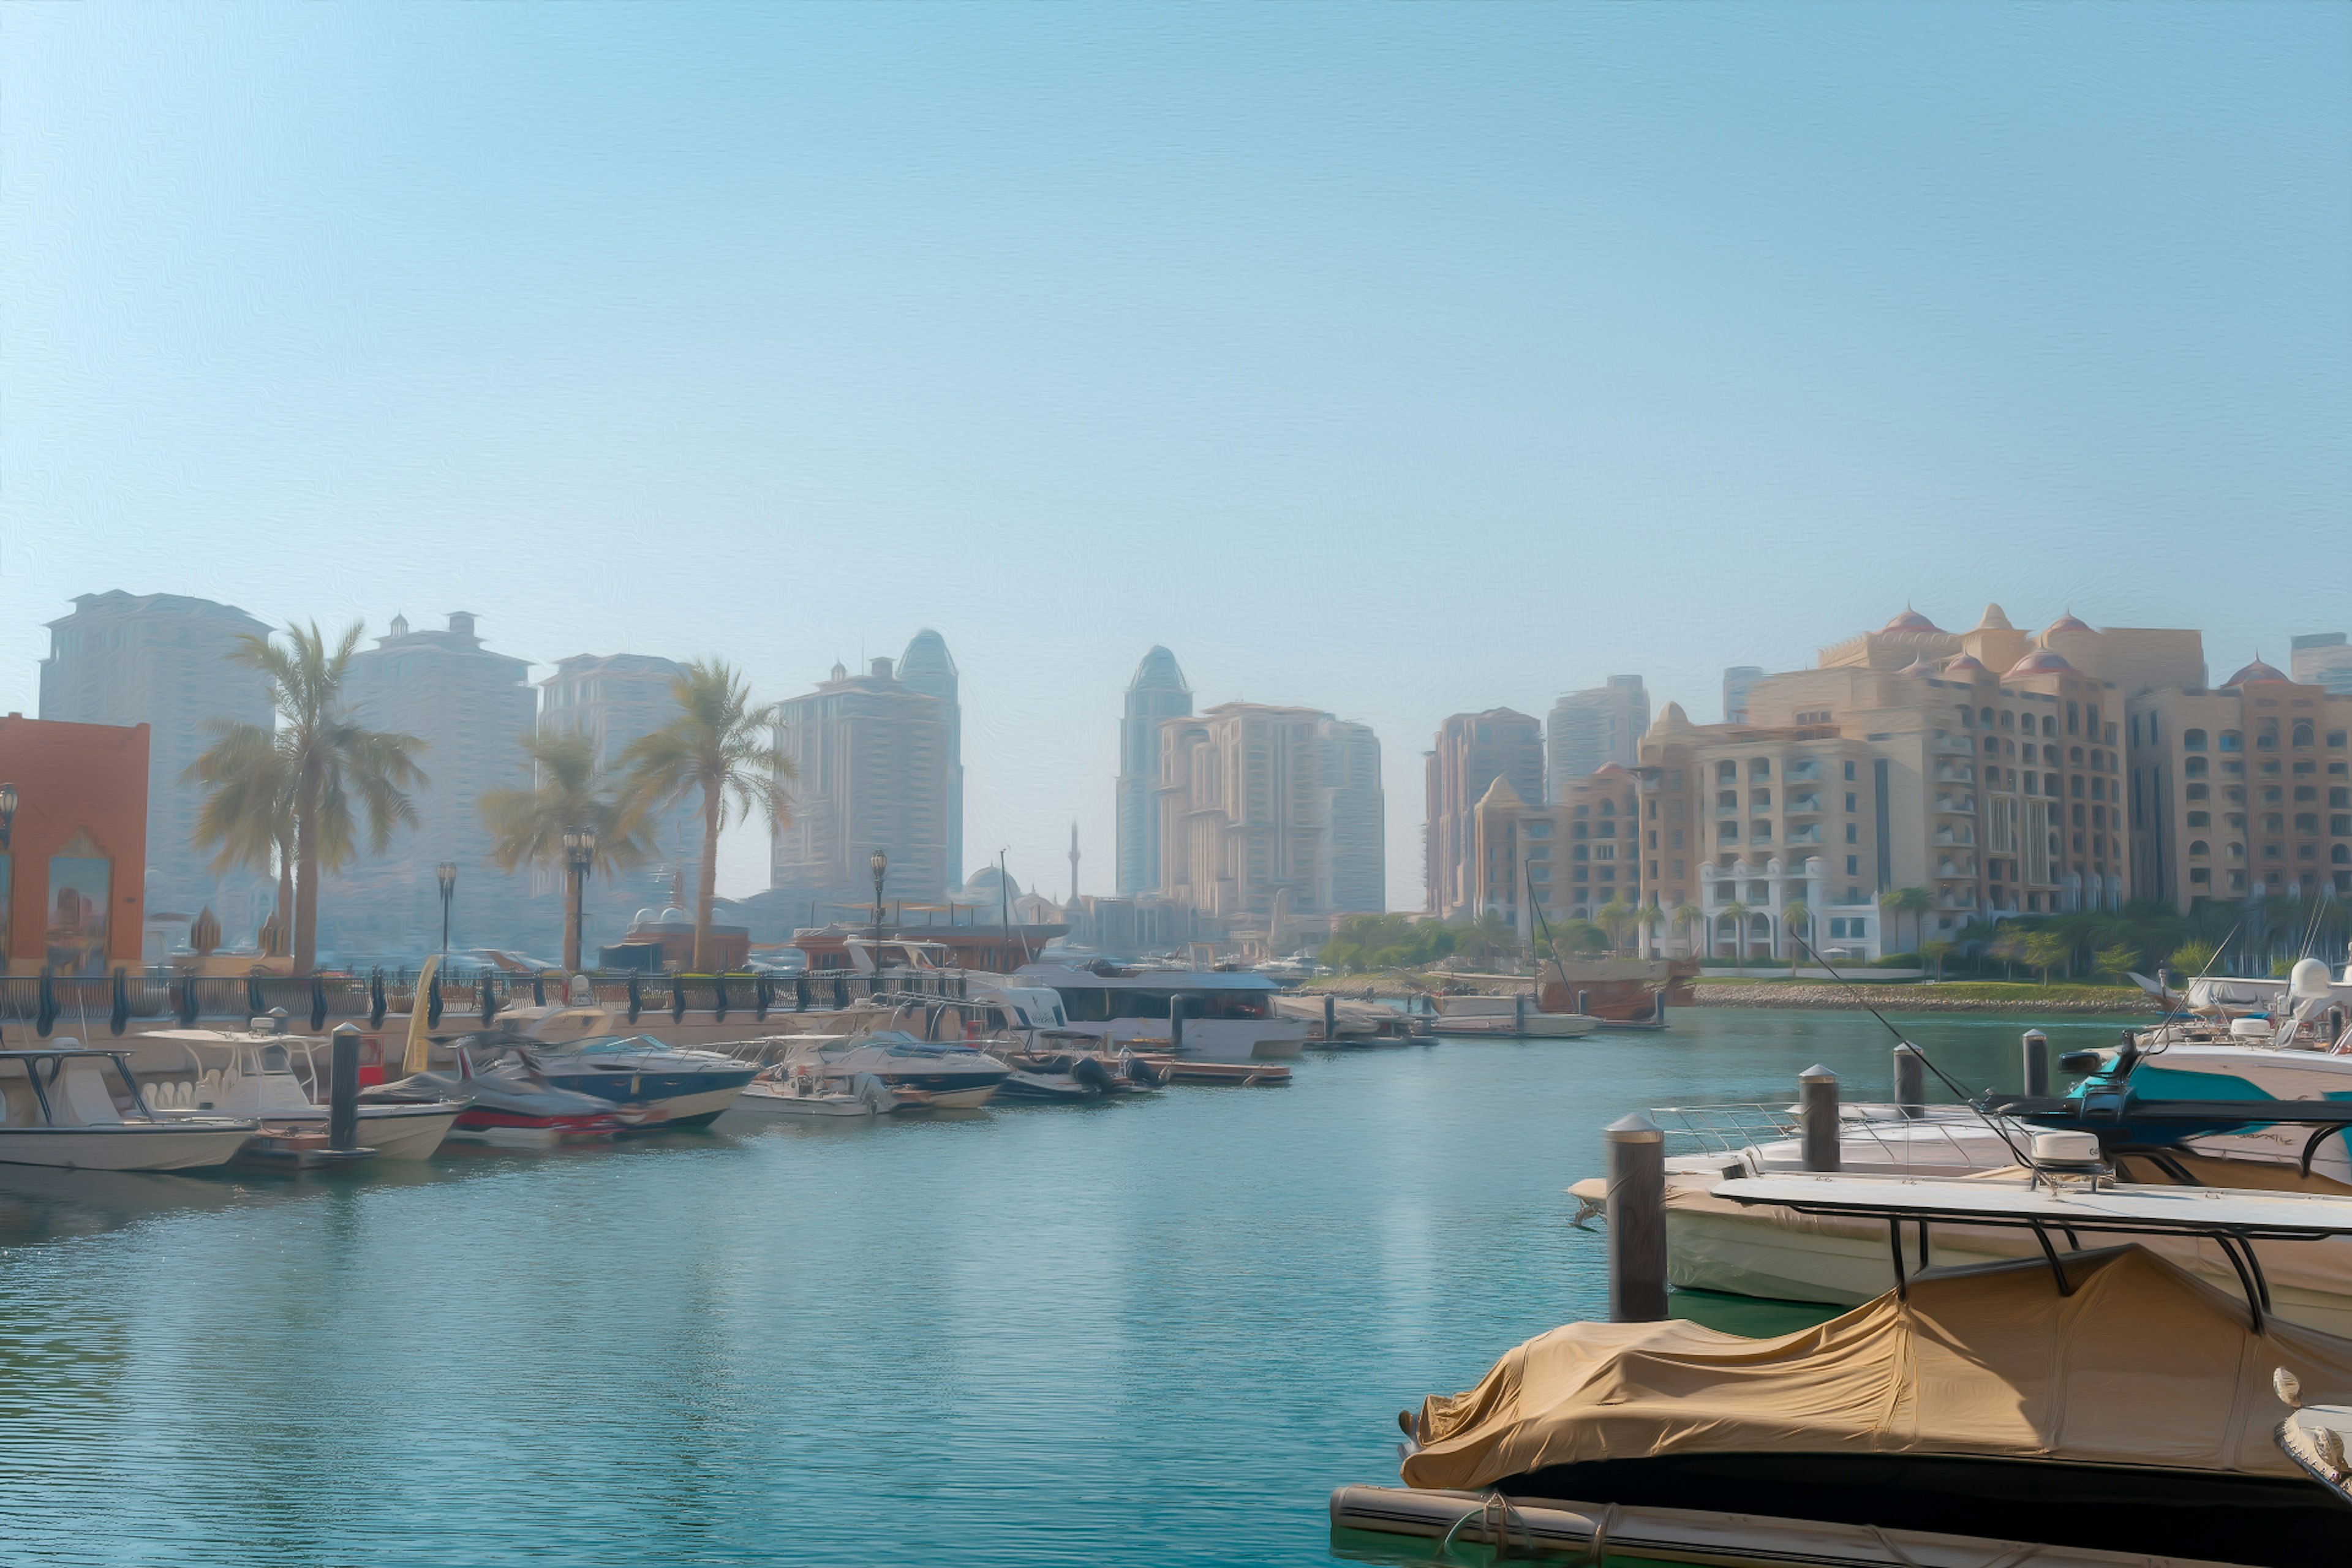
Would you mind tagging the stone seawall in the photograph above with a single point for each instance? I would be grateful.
(1905, 999)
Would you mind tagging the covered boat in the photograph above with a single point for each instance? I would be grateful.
(2134, 1413)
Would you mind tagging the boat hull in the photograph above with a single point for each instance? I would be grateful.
(128, 1146)
(506, 1129)
(394, 1131)
(662, 1100)
(762, 1102)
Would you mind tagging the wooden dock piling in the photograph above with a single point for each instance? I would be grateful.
(1637, 1219)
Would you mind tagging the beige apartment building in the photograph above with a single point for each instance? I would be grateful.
(1268, 812)
(2241, 791)
(1566, 857)
(1472, 750)
(1985, 766)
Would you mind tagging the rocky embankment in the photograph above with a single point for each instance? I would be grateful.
(1904, 998)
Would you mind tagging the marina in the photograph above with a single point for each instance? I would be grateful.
(1203, 1387)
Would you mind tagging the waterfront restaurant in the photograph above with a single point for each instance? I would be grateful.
(73, 852)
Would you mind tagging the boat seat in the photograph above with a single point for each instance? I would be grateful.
(80, 1097)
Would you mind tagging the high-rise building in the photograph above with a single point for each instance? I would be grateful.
(1738, 681)
(1267, 813)
(1473, 750)
(1157, 693)
(926, 667)
(164, 660)
(872, 770)
(2242, 792)
(2323, 659)
(618, 698)
(1588, 730)
(472, 708)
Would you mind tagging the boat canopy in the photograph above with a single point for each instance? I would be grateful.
(1185, 981)
(2142, 1364)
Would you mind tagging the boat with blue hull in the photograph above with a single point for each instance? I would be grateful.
(665, 1086)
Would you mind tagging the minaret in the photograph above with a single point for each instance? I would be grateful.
(1074, 862)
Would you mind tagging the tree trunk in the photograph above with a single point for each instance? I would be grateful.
(306, 876)
(712, 803)
(286, 892)
(575, 888)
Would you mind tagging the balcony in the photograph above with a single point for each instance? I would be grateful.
(1809, 833)
(1954, 745)
(1956, 804)
(1955, 836)
(1955, 772)
(1803, 804)
(1803, 773)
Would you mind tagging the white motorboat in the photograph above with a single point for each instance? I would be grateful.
(253, 1075)
(782, 1092)
(941, 1075)
(662, 1085)
(60, 1111)
(1507, 1015)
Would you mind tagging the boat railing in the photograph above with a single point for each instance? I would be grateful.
(1919, 1134)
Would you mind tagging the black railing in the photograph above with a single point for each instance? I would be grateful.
(89, 1006)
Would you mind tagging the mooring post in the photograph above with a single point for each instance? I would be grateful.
(1584, 1003)
(343, 1088)
(2037, 1062)
(1330, 1017)
(1817, 1110)
(1637, 1219)
(1518, 1012)
(1910, 1078)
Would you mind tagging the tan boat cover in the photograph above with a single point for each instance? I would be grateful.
(2142, 1364)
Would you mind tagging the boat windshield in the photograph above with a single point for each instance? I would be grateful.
(610, 1044)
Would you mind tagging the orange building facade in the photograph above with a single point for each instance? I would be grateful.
(73, 875)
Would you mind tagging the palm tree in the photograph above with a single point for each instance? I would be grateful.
(569, 793)
(1912, 901)
(2044, 949)
(248, 815)
(2191, 959)
(1738, 911)
(1692, 919)
(1612, 917)
(722, 749)
(307, 774)
(1796, 918)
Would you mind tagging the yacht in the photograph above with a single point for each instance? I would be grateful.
(1204, 1014)
(55, 1109)
(509, 1106)
(940, 1074)
(252, 1075)
(781, 1091)
(665, 1086)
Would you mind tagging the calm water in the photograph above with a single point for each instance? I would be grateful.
(1149, 1332)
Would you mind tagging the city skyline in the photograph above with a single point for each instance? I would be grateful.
(1792, 316)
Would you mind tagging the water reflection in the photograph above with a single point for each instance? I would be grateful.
(1150, 1333)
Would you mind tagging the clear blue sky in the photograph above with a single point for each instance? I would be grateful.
(1392, 360)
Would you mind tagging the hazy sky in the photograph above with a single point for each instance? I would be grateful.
(1394, 361)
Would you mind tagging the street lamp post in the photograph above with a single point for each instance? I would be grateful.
(580, 854)
(447, 873)
(881, 863)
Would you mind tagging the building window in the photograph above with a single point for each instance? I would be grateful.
(2302, 732)
(1726, 773)
(1760, 767)
(2197, 847)
(2231, 740)
(1854, 865)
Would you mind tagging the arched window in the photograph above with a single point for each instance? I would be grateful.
(2237, 851)
(2007, 720)
(2302, 735)
(1608, 809)
(1726, 771)
(1986, 715)
(2049, 723)
(2266, 735)
(2199, 847)
(2192, 740)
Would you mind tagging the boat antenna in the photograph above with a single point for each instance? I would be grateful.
(1967, 1097)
